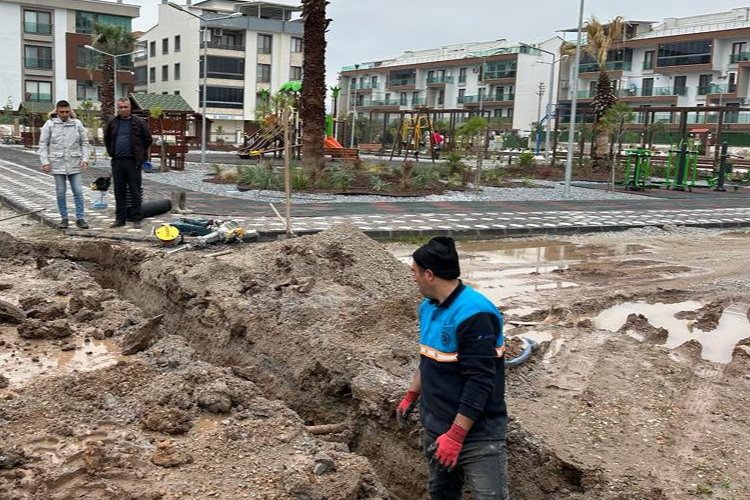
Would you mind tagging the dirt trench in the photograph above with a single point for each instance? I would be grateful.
(325, 324)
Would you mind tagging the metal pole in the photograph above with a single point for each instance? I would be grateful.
(114, 83)
(354, 106)
(549, 109)
(205, 92)
(573, 105)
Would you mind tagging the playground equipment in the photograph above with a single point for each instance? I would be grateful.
(682, 166)
(637, 169)
(411, 131)
(725, 167)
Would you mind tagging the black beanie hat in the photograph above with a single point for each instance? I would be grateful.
(439, 256)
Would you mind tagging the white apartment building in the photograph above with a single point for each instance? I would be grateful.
(259, 50)
(499, 79)
(45, 59)
(691, 61)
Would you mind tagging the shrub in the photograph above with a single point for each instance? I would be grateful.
(300, 179)
(406, 172)
(454, 162)
(424, 174)
(377, 183)
(526, 159)
(528, 182)
(260, 177)
(340, 177)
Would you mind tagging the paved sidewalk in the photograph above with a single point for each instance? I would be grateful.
(25, 188)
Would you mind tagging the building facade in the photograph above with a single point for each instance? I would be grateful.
(699, 61)
(45, 58)
(247, 55)
(507, 82)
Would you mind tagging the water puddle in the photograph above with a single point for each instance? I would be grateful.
(21, 366)
(717, 345)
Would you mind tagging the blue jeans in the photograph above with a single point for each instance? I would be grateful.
(76, 187)
(483, 465)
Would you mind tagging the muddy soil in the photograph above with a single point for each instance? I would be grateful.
(272, 372)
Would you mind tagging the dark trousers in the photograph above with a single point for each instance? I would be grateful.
(126, 176)
(482, 465)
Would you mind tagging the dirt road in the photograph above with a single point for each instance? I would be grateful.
(272, 372)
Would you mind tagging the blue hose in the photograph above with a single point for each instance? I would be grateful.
(528, 347)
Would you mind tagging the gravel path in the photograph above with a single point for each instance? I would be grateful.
(192, 178)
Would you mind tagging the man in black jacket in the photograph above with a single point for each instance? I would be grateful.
(460, 385)
(127, 139)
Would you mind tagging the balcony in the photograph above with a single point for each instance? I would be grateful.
(380, 103)
(37, 28)
(639, 92)
(727, 88)
(36, 63)
(738, 58)
(224, 46)
(437, 81)
(418, 101)
(404, 83)
(610, 66)
(471, 100)
(498, 75)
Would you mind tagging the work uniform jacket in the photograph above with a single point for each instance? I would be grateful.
(64, 145)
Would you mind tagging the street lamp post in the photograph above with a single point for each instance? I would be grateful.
(114, 58)
(573, 105)
(354, 106)
(203, 30)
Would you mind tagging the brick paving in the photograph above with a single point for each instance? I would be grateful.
(25, 188)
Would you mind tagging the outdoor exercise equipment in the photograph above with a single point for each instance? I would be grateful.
(637, 169)
(410, 132)
(724, 168)
(682, 166)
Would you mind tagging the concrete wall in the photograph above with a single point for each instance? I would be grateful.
(11, 84)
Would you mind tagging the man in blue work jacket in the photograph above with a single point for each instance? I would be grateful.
(460, 385)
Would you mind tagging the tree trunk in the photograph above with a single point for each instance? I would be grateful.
(108, 89)
(312, 109)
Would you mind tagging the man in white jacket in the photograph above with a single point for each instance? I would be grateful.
(64, 152)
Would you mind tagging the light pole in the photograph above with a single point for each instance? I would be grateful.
(204, 29)
(354, 106)
(573, 104)
(114, 58)
(550, 104)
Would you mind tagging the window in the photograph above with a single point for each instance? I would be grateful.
(297, 44)
(648, 59)
(37, 57)
(164, 46)
(36, 22)
(264, 73)
(152, 49)
(177, 43)
(592, 89)
(704, 84)
(176, 92)
(403, 99)
(164, 73)
(498, 113)
(223, 97)
(86, 58)
(86, 91)
(295, 73)
(430, 76)
(360, 100)
(680, 85)
(38, 91)
(229, 68)
(264, 44)
(462, 75)
(152, 75)
(374, 82)
(647, 87)
(510, 112)
(415, 98)
(85, 21)
(177, 71)
(441, 97)
(461, 95)
(732, 83)
(140, 75)
(738, 51)
(165, 92)
(403, 77)
(684, 53)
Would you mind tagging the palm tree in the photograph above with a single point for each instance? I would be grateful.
(113, 40)
(312, 109)
(599, 40)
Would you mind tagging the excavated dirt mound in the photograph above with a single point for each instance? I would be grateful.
(273, 372)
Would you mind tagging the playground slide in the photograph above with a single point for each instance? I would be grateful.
(332, 143)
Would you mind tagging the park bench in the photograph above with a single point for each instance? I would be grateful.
(371, 148)
(347, 154)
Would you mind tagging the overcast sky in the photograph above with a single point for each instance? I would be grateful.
(365, 30)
